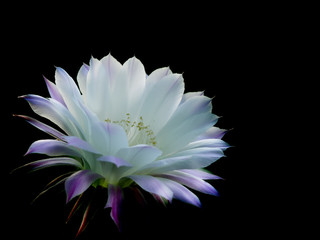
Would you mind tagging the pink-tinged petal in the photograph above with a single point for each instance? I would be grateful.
(79, 143)
(180, 192)
(52, 147)
(55, 112)
(191, 182)
(201, 173)
(54, 162)
(43, 127)
(114, 202)
(54, 92)
(153, 185)
(119, 162)
(79, 182)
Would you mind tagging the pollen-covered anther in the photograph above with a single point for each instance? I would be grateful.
(137, 131)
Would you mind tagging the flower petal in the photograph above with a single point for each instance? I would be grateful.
(213, 132)
(191, 182)
(43, 127)
(55, 112)
(169, 164)
(82, 78)
(114, 202)
(52, 147)
(212, 143)
(80, 143)
(79, 182)
(116, 138)
(191, 119)
(157, 75)
(54, 92)
(201, 173)
(180, 192)
(119, 162)
(202, 151)
(49, 162)
(153, 185)
(139, 155)
(161, 100)
(136, 83)
(72, 97)
(189, 95)
(98, 89)
(112, 67)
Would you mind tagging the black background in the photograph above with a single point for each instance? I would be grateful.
(223, 50)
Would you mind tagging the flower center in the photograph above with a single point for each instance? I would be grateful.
(137, 132)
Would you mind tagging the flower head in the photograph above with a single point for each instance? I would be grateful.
(120, 127)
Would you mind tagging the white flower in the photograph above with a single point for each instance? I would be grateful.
(123, 128)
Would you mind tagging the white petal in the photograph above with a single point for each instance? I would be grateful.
(213, 143)
(71, 97)
(161, 100)
(213, 132)
(112, 67)
(139, 155)
(136, 82)
(119, 97)
(157, 75)
(189, 95)
(82, 78)
(98, 89)
(117, 137)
